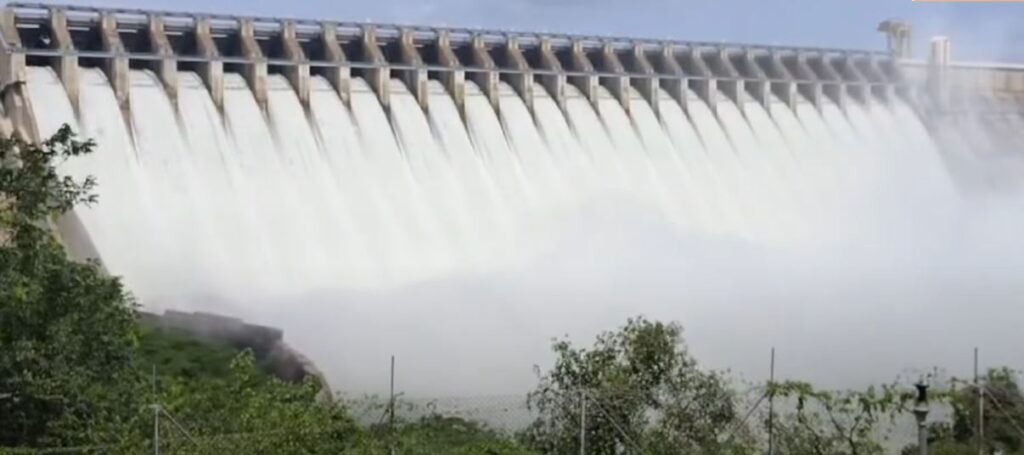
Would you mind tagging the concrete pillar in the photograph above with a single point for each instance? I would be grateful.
(647, 86)
(522, 77)
(454, 79)
(938, 72)
(298, 72)
(832, 83)
(855, 83)
(415, 79)
(617, 85)
(881, 86)
(488, 78)
(380, 75)
(19, 120)
(339, 74)
(678, 83)
(66, 64)
(731, 85)
(704, 82)
(756, 83)
(555, 81)
(211, 68)
(12, 64)
(116, 68)
(782, 84)
(808, 84)
(255, 69)
(587, 84)
(166, 68)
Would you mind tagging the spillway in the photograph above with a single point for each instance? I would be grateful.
(402, 204)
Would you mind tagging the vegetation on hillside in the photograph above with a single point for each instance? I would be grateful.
(77, 373)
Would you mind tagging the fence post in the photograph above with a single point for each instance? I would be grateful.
(583, 422)
(391, 410)
(771, 405)
(156, 415)
(979, 389)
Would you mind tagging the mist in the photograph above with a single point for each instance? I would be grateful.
(859, 242)
(910, 270)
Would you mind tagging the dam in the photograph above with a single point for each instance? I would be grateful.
(257, 165)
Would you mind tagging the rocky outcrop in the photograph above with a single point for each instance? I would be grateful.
(266, 343)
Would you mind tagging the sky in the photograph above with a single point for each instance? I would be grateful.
(979, 31)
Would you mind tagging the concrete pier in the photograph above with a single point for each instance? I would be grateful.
(676, 83)
(521, 75)
(165, 66)
(66, 64)
(703, 81)
(336, 69)
(116, 67)
(298, 72)
(585, 81)
(637, 63)
(555, 82)
(454, 79)
(379, 75)
(487, 76)
(254, 70)
(808, 84)
(755, 79)
(832, 84)
(616, 81)
(416, 78)
(210, 68)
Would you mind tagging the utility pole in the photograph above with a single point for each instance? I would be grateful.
(771, 405)
(980, 390)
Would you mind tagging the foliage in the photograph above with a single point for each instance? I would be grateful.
(638, 390)
(435, 433)
(824, 422)
(176, 354)
(66, 331)
(1003, 421)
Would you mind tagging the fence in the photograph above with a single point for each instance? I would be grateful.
(607, 420)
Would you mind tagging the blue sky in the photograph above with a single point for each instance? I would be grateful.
(979, 31)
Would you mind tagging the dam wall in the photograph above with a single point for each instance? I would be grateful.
(115, 41)
(277, 168)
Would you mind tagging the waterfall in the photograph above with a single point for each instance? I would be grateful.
(378, 218)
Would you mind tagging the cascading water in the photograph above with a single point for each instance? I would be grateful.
(367, 230)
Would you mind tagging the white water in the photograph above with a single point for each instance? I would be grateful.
(462, 242)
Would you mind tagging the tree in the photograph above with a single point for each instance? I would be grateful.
(67, 332)
(821, 422)
(638, 390)
(1004, 417)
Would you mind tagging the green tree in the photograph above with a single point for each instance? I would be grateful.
(643, 393)
(1004, 417)
(822, 422)
(67, 332)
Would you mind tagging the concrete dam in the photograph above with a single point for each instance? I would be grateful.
(377, 185)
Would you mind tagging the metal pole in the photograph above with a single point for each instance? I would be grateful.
(391, 406)
(156, 416)
(771, 405)
(922, 437)
(981, 406)
(583, 422)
